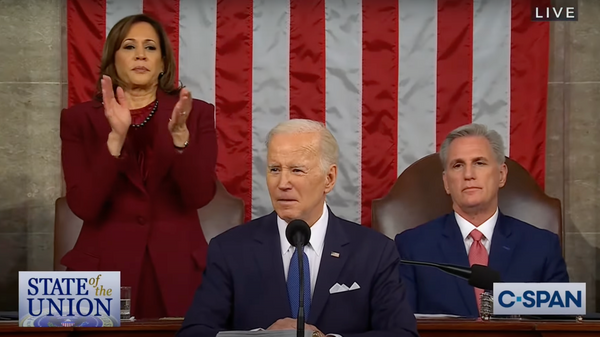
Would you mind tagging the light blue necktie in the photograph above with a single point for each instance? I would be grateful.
(293, 285)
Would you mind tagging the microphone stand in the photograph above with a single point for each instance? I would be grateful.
(300, 321)
(461, 272)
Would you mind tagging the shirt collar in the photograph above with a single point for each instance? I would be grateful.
(317, 233)
(486, 228)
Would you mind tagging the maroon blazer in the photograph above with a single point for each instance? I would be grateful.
(122, 216)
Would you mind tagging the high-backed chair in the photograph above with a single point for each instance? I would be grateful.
(418, 196)
(67, 227)
(223, 212)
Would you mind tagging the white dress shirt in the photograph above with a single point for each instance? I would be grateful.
(313, 250)
(486, 228)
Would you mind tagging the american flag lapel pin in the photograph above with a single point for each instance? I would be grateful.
(335, 254)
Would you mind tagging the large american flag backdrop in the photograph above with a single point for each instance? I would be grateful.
(389, 77)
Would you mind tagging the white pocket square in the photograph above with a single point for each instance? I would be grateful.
(340, 288)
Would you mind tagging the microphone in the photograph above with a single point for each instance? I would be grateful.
(478, 276)
(297, 233)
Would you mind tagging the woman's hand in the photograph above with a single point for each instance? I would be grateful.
(177, 122)
(116, 110)
(118, 115)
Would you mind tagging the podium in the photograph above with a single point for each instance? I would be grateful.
(427, 328)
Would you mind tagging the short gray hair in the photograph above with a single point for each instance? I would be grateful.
(474, 130)
(328, 145)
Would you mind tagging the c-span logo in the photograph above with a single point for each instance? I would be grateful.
(69, 299)
(539, 298)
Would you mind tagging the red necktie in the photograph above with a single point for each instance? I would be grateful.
(477, 255)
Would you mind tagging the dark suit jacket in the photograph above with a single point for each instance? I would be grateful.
(520, 252)
(122, 215)
(244, 284)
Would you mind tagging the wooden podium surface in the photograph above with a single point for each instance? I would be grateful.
(427, 328)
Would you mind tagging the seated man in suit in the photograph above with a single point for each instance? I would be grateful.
(251, 277)
(476, 232)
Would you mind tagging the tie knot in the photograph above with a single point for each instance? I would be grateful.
(476, 235)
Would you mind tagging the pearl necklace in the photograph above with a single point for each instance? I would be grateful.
(147, 118)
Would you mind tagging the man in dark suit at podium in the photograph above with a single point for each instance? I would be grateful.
(352, 283)
(476, 232)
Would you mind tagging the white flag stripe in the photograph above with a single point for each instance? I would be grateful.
(343, 101)
(197, 47)
(491, 65)
(416, 80)
(270, 88)
(118, 9)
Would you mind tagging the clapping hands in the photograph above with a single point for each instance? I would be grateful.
(116, 109)
(179, 116)
(181, 112)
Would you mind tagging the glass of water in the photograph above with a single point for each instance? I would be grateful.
(125, 303)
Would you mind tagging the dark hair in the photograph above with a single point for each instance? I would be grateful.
(166, 81)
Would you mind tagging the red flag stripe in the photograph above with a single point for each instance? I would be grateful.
(528, 89)
(454, 66)
(233, 83)
(86, 26)
(380, 101)
(307, 59)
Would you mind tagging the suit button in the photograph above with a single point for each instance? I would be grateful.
(141, 220)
